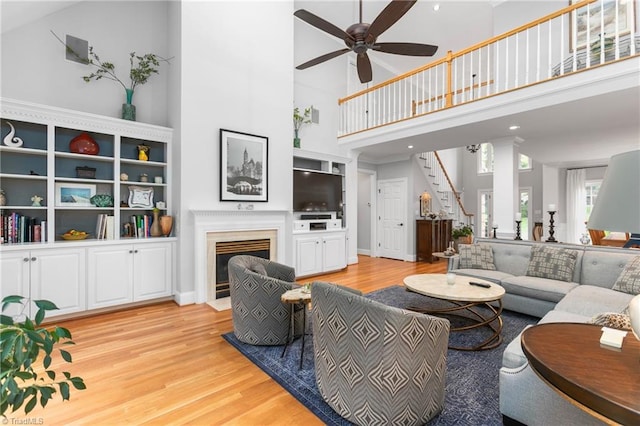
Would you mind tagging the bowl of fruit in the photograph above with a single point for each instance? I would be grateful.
(73, 234)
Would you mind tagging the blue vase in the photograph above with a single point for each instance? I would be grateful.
(129, 110)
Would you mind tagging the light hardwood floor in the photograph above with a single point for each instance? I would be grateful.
(165, 364)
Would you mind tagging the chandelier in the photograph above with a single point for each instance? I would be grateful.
(473, 148)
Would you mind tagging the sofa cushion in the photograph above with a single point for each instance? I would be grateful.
(552, 262)
(493, 276)
(590, 300)
(612, 320)
(602, 267)
(538, 288)
(629, 279)
(476, 256)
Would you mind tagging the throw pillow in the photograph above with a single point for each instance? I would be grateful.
(258, 268)
(612, 320)
(552, 262)
(629, 279)
(476, 256)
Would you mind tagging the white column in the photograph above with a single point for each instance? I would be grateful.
(506, 184)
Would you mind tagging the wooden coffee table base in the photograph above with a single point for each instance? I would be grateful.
(479, 320)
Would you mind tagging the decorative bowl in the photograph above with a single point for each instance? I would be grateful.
(71, 237)
(102, 200)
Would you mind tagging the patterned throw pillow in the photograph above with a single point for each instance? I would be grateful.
(552, 262)
(476, 256)
(629, 279)
(612, 320)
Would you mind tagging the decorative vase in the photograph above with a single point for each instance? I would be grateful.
(156, 227)
(166, 223)
(3, 198)
(144, 151)
(129, 110)
(296, 139)
(84, 144)
(537, 231)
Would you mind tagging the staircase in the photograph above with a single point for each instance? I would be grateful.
(443, 190)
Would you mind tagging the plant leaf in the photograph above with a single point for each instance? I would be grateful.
(31, 404)
(64, 390)
(66, 355)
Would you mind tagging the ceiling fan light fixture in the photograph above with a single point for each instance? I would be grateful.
(473, 148)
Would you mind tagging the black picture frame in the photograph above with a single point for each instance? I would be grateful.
(244, 167)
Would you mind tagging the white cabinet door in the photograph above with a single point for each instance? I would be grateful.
(59, 275)
(334, 252)
(152, 271)
(110, 276)
(308, 255)
(14, 278)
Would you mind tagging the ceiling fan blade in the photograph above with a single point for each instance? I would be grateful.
(321, 24)
(409, 49)
(322, 58)
(389, 16)
(364, 68)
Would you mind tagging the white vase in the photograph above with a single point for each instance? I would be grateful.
(634, 314)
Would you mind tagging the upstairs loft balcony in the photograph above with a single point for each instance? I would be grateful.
(585, 50)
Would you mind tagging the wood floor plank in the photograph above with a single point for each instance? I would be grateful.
(166, 364)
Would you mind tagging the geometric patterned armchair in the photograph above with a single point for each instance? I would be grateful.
(259, 317)
(377, 364)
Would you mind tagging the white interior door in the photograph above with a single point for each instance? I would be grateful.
(392, 218)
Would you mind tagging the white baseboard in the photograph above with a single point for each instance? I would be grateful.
(352, 260)
(364, 252)
(186, 298)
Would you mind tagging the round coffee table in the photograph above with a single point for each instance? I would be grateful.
(463, 297)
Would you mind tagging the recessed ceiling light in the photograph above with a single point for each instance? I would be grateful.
(436, 7)
(410, 147)
(514, 127)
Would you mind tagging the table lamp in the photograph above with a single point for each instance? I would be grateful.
(617, 208)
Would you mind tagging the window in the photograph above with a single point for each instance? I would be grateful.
(592, 188)
(485, 159)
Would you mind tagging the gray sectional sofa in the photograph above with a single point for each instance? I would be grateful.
(524, 397)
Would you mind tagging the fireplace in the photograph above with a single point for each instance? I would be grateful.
(225, 250)
(213, 226)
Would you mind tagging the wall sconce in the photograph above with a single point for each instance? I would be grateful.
(473, 148)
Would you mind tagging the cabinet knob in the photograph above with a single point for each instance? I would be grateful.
(135, 251)
(33, 259)
(131, 251)
(26, 259)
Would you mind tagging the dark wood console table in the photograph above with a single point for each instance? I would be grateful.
(601, 380)
(432, 236)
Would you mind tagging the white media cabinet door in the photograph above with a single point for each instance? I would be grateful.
(334, 252)
(15, 278)
(308, 255)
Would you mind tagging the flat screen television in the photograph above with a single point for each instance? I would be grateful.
(316, 191)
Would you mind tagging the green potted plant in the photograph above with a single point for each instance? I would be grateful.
(299, 119)
(24, 344)
(462, 235)
(142, 68)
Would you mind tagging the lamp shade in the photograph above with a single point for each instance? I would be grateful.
(617, 206)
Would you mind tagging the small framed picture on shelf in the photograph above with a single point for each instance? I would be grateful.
(74, 194)
(140, 196)
(243, 166)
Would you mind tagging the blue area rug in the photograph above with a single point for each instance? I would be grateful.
(471, 395)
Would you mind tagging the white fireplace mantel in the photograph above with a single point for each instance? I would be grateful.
(211, 221)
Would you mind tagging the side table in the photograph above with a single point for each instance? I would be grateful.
(295, 297)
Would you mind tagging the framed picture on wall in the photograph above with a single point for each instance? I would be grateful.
(243, 166)
(600, 22)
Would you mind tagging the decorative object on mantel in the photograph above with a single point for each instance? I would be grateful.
(244, 168)
(298, 121)
(102, 200)
(518, 222)
(495, 228)
(552, 211)
(35, 201)
(144, 151)
(84, 144)
(11, 139)
(142, 67)
(473, 148)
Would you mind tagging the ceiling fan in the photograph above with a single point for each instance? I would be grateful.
(361, 37)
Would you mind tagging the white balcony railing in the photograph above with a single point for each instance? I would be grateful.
(581, 36)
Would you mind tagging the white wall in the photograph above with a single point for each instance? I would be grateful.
(234, 79)
(34, 67)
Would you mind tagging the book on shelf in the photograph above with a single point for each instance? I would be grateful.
(17, 228)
